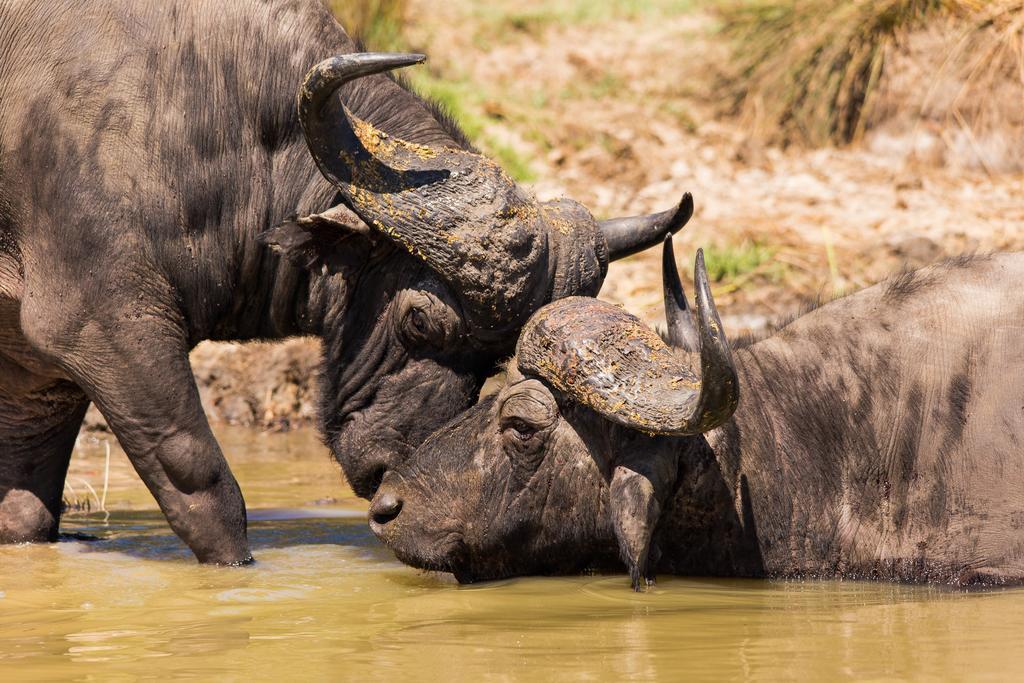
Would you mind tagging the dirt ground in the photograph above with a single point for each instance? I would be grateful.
(620, 112)
(618, 105)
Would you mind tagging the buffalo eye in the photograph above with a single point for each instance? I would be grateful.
(528, 414)
(520, 429)
(425, 322)
(417, 330)
(418, 319)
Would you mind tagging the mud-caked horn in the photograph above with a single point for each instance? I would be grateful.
(610, 361)
(504, 253)
(453, 208)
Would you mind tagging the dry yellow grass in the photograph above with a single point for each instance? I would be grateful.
(807, 71)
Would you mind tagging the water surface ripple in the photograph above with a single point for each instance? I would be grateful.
(325, 601)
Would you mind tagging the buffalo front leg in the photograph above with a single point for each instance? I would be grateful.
(37, 434)
(152, 405)
(135, 368)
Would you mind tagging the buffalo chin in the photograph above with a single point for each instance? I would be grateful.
(447, 556)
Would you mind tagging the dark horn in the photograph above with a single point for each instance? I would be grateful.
(719, 385)
(330, 133)
(504, 254)
(678, 318)
(627, 236)
(329, 75)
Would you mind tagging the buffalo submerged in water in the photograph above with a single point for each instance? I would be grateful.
(878, 437)
(159, 187)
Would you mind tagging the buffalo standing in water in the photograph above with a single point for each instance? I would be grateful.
(149, 154)
(878, 437)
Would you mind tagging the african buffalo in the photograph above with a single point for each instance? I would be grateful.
(157, 188)
(878, 437)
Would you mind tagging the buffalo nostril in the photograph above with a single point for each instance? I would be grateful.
(385, 508)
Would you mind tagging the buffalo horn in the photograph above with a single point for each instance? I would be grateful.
(610, 361)
(681, 331)
(627, 236)
(451, 207)
(719, 387)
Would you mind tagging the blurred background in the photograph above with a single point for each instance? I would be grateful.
(827, 143)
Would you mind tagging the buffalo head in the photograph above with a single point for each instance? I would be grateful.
(444, 258)
(575, 457)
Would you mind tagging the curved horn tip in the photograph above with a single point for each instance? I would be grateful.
(670, 277)
(702, 287)
(680, 330)
(356, 64)
(719, 394)
(385, 60)
(330, 74)
(398, 59)
(683, 214)
(627, 236)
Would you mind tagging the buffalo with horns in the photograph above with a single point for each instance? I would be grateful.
(877, 437)
(157, 188)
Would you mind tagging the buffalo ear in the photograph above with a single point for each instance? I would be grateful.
(334, 240)
(637, 492)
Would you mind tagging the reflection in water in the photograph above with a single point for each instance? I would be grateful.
(325, 600)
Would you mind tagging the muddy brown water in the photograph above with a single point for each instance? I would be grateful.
(326, 601)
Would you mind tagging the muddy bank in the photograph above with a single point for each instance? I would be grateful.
(269, 386)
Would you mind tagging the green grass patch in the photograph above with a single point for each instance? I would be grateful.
(459, 98)
(378, 23)
(736, 264)
(464, 102)
(534, 18)
(513, 162)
